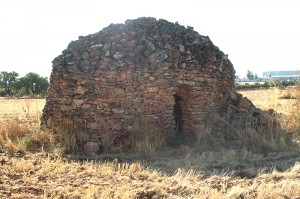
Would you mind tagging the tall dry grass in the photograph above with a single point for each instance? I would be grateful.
(146, 138)
(18, 137)
(23, 133)
(296, 94)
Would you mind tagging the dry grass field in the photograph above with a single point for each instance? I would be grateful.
(20, 108)
(33, 165)
(281, 100)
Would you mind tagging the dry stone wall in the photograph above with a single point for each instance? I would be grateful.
(144, 68)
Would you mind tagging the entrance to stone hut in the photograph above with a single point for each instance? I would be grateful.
(178, 114)
(181, 99)
(178, 138)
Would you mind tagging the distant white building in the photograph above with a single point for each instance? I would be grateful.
(282, 75)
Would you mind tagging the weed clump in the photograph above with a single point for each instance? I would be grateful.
(15, 137)
(146, 138)
(296, 112)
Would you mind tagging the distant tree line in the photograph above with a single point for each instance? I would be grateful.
(250, 75)
(31, 84)
(282, 83)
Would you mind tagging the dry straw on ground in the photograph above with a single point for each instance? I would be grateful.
(46, 176)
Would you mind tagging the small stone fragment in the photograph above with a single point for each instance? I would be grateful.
(118, 110)
(181, 48)
(78, 102)
(245, 103)
(90, 148)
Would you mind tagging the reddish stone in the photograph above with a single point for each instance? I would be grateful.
(245, 103)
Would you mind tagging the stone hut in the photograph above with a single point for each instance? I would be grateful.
(144, 68)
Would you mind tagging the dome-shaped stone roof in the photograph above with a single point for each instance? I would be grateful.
(146, 43)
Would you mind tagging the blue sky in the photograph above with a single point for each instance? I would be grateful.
(258, 35)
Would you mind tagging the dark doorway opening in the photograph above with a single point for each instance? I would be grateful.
(179, 137)
(178, 114)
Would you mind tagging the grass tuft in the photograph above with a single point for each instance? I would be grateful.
(15, 137)
(146, 138)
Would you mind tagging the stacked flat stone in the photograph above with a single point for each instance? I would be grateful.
(103, 81)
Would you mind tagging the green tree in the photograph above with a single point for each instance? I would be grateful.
(8, 81)
(250, 75)
(32, 83)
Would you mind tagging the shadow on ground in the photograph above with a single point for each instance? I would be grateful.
(244, 164)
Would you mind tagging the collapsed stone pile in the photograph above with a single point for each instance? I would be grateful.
(241, 114)
(144, 68)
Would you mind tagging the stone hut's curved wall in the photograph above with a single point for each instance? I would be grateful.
(145, 67)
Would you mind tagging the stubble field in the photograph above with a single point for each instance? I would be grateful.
(14, 108)
(33, 165)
